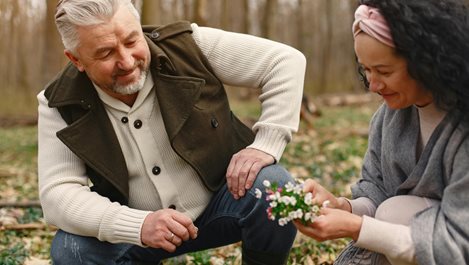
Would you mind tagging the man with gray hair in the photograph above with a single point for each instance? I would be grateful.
(140, 157)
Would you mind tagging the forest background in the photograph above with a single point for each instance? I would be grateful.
(329, 145)
(32, 54)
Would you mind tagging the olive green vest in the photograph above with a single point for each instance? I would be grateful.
(200, 125)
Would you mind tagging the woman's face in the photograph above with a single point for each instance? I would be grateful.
(387, 74)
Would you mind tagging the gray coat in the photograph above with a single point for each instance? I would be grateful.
(393, 166)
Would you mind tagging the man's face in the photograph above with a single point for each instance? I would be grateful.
(114, 55)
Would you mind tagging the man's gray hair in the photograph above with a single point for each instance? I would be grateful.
(71, 14)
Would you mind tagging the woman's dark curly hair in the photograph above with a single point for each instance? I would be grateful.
(433, 37)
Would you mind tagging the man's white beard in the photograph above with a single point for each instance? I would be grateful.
(133, 87)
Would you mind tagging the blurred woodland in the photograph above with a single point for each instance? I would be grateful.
(32, 54)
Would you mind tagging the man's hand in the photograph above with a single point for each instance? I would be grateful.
(243, 169)
(167, 229)
(332, 224)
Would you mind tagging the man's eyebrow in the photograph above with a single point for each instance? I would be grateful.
(106, 48)
(132, 34)
(101, 50)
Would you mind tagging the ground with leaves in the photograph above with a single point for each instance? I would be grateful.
(329, 150)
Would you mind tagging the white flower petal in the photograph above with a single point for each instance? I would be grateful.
(258, 193)
(326, 203)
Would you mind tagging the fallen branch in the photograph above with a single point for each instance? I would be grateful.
(31, 226)
(23, 204)
(6, 173)
(6, 122)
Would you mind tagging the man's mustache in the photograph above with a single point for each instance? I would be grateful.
(119, 72)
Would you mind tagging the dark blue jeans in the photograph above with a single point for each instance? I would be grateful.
(224, 221)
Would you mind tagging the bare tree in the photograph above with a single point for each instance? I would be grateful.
(199, 12)
(53, 57)
(151, 13)
(233, 17)
(268, 17)
(22, 35)
(31, 50)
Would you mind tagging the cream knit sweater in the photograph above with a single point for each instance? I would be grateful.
(237, 59)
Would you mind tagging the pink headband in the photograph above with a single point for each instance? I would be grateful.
(369, 20)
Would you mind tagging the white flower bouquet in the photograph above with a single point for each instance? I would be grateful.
(289, 203)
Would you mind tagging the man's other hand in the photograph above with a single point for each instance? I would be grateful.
(167, 229)
(243, 169)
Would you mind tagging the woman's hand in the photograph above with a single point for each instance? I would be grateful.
(321, 195)
(332, 224)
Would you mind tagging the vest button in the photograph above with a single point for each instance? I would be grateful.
(155, 34)
(156, 170)
(138, 124)
(124, 120)
(172, 206)
(214, 123)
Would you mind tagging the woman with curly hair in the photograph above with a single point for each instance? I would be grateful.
(411, 204)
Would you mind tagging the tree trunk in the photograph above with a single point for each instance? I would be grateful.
(22, 35)
(53, 56)
(151, 14)
(199, 12)
(268, 17)
(31, 50)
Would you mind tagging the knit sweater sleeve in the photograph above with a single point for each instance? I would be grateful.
(394, 240)
(66, 198)
(278, 70)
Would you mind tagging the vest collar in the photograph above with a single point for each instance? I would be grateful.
(80, 89)
(177, 96)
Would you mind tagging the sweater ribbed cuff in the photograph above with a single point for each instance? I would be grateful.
(125, 226)
(271, 141)
(392, 240)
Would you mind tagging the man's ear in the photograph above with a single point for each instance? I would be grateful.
(74, 60)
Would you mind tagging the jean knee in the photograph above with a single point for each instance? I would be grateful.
(273, 173)
(70, 249)
(65, 249)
